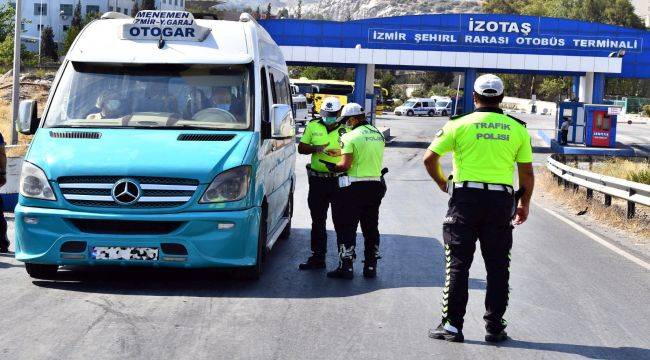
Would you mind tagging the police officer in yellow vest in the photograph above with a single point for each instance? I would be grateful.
(321, 139)
(486, 144)
(361, 191)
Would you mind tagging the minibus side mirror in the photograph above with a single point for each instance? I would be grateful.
(282, 121)
(27, 117)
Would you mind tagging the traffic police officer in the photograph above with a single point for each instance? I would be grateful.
(361, 191)
(486, 145)
(321, 139)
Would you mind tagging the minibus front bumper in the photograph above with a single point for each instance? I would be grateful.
(187, 239)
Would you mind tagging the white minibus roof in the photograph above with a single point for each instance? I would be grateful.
(106, 40)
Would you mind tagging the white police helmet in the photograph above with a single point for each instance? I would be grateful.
(330, 107)
(350, 110)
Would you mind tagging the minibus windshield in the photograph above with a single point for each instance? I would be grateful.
(152, 96)
(409, 104)
(442, 104)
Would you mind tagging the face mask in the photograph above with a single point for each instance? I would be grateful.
(329, 120)
(112, 105)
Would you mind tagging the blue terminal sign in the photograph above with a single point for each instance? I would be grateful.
(474, 33)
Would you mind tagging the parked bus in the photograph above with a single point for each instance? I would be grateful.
(317, 90)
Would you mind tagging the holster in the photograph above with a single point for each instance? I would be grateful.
(515, 200)
(384, 187)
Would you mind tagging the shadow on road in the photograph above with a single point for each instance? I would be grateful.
(4, 265)
(410, 144)
(587, 351)
(408, 261)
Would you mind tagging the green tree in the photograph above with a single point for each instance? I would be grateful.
(76, 16)
(48, 46)
(621, 12)
(555, 88)
(504, 6)
(135, 9)
(387, 80)
(268, 11)
(299, 12)
(148, 5)
(283, 13)
(70, 36)
(258, 13)
(7, 18)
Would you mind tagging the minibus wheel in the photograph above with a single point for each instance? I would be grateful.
(431, 113)
(410, 113)
(40, 271)
(255, 272)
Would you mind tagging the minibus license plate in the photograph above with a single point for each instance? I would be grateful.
(124, 253)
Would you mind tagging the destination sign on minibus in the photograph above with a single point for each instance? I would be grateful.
(166, 25)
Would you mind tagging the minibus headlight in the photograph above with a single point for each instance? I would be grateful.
(34, 184)
(230, 185)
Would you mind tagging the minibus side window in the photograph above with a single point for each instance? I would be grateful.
(274, 91)
(266, 124)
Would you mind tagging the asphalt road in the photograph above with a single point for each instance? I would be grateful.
(571, 298)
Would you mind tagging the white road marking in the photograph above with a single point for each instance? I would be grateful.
(598, 239)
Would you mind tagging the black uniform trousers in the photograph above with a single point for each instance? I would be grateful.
(322, 192)
(485, 215)
(360, 204)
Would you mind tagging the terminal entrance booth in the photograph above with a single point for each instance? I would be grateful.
(592, 125)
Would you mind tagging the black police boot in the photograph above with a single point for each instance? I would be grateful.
(345, 269)
(313, 263)
(496, 337)
(370, 268)
(370, 263)
(447, 333)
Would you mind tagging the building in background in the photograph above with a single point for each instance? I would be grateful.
(643, 10)
(37, 14)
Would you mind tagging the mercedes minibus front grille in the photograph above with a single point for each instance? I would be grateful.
(144, 191)
(125, 227)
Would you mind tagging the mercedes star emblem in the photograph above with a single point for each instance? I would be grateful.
(126, 192)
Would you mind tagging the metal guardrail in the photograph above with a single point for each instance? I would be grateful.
(633, 193)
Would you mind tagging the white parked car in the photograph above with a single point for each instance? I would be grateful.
(417, 106)
(443, 107)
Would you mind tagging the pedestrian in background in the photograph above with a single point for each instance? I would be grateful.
(564, 130)
(486, 144)
(361, 191)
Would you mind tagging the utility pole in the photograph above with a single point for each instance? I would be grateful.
(40, 31)
(15, 96)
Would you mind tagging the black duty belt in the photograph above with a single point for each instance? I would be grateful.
(484, 186)
(318, 174)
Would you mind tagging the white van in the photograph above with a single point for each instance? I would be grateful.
(417, 106)
(443, 107)
(300, 109)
